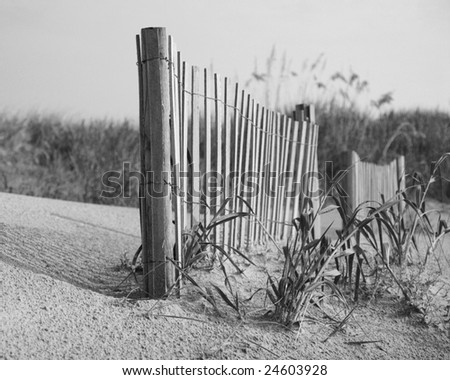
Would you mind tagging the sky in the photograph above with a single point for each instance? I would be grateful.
(78, 58)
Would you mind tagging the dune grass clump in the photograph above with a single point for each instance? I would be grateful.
(317, 270)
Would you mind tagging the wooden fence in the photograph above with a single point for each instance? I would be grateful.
(369, 182)
(205, 143)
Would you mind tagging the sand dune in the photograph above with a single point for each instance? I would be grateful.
(60, 267)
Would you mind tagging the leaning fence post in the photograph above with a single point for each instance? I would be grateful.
(158, 239)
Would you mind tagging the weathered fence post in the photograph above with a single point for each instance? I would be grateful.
(158, 237)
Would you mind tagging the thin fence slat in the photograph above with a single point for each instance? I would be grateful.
(307, 156)
(227, 152)
(356, 160)
(387, 178)
(239, 208)
(262, 172)
(285, 177)
(257, 172)
(194, 147)
(310, 159)
(393, 178)
(249, 170)
(278, 145)
(401, 180)
(252, 171)
(208, 150)
(180, 110)
(235, 179)
(218, 151)
(268, 150)
(289, 208)
(184, 147)
(271, 170)
(387, 181)
(246, 165)
(380, 181)
(370, 176)
(361, 188)
(175, 153)
(370, 191)
(316, 196)
(142, 149)
(282, 176)
(374, 184)
(276, 173)
(307, 163)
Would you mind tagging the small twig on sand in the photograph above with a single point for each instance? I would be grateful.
(363, 342)
(175, 316)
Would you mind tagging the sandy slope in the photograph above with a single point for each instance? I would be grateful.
(60, 267)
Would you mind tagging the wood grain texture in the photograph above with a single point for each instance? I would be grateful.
(160, 238)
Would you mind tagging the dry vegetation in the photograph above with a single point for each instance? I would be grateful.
(43, 155)
(47, 156)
